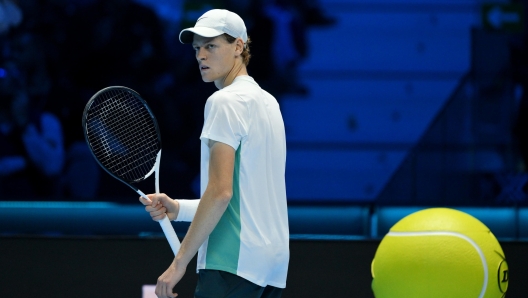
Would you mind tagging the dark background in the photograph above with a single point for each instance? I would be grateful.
(92, 267)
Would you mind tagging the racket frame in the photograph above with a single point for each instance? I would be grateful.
(165, 223)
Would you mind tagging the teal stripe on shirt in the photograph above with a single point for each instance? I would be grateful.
(223, 247)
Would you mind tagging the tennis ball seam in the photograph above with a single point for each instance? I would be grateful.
(454, 234)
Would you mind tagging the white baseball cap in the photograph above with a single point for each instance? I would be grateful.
(216, 22)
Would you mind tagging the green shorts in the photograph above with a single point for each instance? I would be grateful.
(221, 284)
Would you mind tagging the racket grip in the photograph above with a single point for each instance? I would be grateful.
(170, 234)
(167, 228)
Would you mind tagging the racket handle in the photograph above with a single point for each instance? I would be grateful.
(167, 228)
(170, 234)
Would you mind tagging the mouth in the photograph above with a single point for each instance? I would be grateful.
(203, 67)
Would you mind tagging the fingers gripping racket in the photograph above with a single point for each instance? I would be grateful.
(124, 138)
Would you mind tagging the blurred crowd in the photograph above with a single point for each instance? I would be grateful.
(55, 54)
(519, 67)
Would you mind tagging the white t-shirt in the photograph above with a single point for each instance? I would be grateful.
(252, 238)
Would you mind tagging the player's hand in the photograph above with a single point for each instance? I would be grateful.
(168, 280)
(159, 205)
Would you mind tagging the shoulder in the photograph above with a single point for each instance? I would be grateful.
(227, 97)
(222, 96)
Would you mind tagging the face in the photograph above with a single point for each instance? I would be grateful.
(216, 57)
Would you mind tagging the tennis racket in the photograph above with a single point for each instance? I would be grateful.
(124, 138)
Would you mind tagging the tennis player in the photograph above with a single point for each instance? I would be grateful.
(239, 227)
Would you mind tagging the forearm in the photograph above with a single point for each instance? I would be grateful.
(213, 203)
(211, 208)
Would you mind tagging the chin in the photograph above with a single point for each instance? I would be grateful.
(206, 79)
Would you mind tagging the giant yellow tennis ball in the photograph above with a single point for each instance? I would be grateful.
(439, 252)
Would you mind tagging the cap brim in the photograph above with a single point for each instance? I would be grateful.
(186, 35)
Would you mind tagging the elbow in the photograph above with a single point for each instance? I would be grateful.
(220, 193)
(224, 196)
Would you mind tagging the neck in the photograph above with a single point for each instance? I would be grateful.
(238, 69)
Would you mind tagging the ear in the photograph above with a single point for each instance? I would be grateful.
(239, 46)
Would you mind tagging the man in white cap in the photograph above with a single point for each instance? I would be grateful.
(239, 227)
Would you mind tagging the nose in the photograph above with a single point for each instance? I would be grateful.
(200, 54)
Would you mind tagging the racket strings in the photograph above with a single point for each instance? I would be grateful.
(127, 141)
(123, 134)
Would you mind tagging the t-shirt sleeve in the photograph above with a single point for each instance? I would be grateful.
(225, 119)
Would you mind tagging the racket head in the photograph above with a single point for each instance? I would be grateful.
(122, 133)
